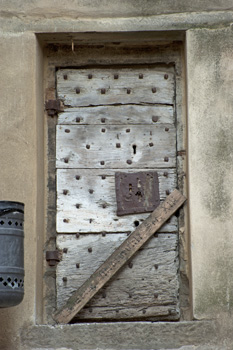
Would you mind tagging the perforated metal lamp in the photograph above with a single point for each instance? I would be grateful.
(11, 253)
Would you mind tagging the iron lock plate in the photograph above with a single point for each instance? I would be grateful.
(136, 192)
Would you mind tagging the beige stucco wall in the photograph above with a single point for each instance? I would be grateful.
(210, 125)
(209, 112)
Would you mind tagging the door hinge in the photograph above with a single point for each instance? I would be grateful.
(53, 257)
(53, 107)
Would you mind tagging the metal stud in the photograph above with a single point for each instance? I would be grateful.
(156, 266)
(166, 129)
(154, 90)
(167, 192)
(64, 279)
(66, 160)
(103, 130)
(156, 295)
(65, 192)
(103, 234)
(77, 90)
(166, 159)
(102, 162)
(89, 76)
(78, 265)
(116, 76)
(155, 118)
(91, 191)
(103, 120)
(129, 161)
(127, 130)
(77, 177)
(78, 120)
(65, 250)
(151, 144)
(65, 220)
(65, 77)
(103, 177)
(77, 235)
(166, 76)
(165, 174)
(140, 76)
(118, 145)
(128, 91)
(103, 91)
(77, 205)
(88, 146)
(89, 250)
(104, 206)
(67, 131)
(130, 264)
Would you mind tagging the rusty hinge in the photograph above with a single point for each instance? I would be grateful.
(53, 257)
(53, 107)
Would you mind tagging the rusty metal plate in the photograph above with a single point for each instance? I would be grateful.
(136, 192)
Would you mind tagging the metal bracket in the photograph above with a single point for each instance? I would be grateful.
(137, 192)
(53, 257)
(53, 107)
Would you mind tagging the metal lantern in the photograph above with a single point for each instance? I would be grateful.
(11, 253)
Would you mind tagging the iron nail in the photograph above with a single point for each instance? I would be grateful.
(153, 90)
(65, 250)
(118, 145)
(77, 177)
(156, 295)
(89, 76)
(102, 162)
(140, 76)
(103, 91)
(77, 235)
(129, 161)
(64, 279)
(104, 206)
(156, 266)
(103, 177)
(130, 264)
(116, 76)
(103, 130)
(103, 120)
(166, 129)
(77, 206)
(65, 220)
(65, 77)
(67, 130)
(77, 90)
(128, 91)
(166, 76)
(78, 120)
(127, 130)
(167, 192)
(166, 159)
(103, 234)
(66, 160)
(151, 144)
(155, 118)
(90, 250)
(65, 192)
(91, 191)
(165, 174)
(88, 146)
(77, 265)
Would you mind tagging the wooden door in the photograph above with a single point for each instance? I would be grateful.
(119, 119)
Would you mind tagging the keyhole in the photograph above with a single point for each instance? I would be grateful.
(134, 149)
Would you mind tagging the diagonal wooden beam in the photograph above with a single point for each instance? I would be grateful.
(119, 257)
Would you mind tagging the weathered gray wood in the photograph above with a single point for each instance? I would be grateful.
(120, 256)
(116, 90)
(147, 288)
(126, 114)
(86, 146)
(96, 211)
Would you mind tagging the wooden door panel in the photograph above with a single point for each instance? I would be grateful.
(76, 89)
(146, 287)
(86, 201)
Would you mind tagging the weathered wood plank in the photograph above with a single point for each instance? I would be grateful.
(120, 256)
(78, 90)
(113, 146)
(147, 287)
(126, 114)
(86, 201)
